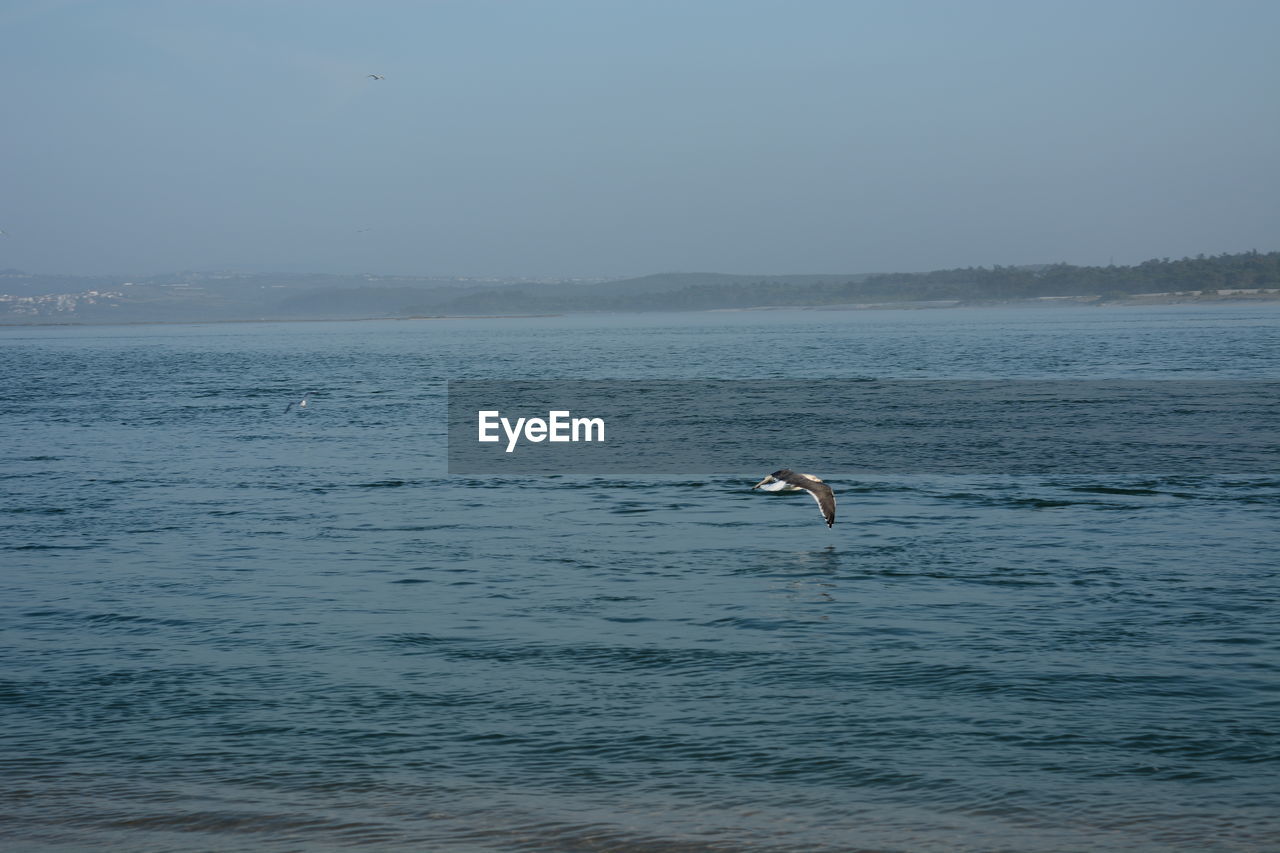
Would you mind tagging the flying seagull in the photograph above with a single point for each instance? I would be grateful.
(302, 404)
(787, 480)
(377, 76)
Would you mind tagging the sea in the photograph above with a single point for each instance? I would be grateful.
(233, 624)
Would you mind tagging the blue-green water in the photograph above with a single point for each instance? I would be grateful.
(231, 627)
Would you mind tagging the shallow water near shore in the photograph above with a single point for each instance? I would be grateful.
(230, 626)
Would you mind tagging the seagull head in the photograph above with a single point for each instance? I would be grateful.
(769, 478)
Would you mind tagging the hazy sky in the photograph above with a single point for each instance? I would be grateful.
(620, 137)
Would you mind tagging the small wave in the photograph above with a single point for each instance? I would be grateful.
(1015, 502)
(596, 657)
(48, 547)
(416, 639)
(128, 622)
(1113, 490)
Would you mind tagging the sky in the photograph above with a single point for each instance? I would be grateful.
(583, 138)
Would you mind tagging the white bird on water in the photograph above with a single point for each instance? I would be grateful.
(787, 480)
(301, 404)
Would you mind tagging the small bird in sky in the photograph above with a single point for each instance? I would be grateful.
(787, 480)
(377, 76)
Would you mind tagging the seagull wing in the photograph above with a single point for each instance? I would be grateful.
(826, 500)
(821, 492)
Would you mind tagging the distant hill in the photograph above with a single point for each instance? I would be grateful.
(203, 297)
(661, 292)
(687, 292)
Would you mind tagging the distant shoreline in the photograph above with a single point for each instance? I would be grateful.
(4, 324)
(1135, 300)
(1131, 300)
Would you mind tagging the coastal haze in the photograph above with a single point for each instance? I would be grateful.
(1248, 277)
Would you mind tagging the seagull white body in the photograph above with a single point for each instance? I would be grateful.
(376, 76)
(787, 480)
